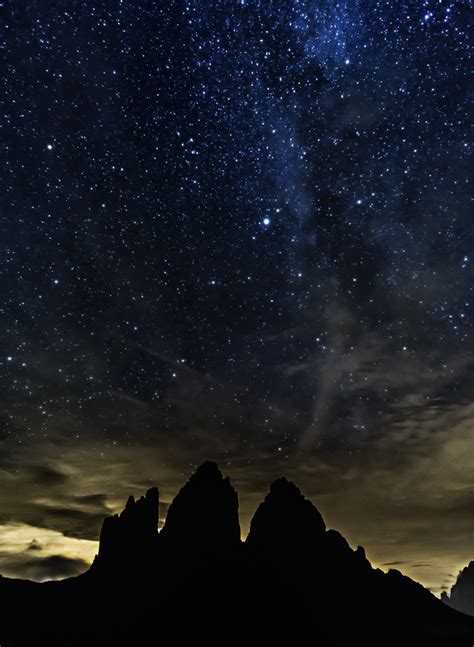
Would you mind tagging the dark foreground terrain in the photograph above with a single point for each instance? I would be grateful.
(292, 582)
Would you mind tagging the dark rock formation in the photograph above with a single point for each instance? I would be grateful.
(130, 538)
(285, 521)
(196, 581)
(461, 596)
(204, 516)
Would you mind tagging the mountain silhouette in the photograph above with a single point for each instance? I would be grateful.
(129, 541)
(291, 581)
(461, 596)
(204, 516)
(285, 520)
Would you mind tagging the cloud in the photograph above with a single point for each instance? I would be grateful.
(43, 495)
(46, 475)
(54, 567)
(398, 563)
(40, 554)
(390, 471)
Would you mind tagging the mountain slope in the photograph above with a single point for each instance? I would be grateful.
(461, 596)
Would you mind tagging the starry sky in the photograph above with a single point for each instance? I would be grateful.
(237, 231)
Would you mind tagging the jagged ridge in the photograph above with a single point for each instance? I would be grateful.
(291, 576)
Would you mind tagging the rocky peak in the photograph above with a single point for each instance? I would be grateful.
(130, 536)
(285, 519)
(203, 517)
(462, 592)
(142, 515)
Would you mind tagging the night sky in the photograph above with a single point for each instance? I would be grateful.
(237, 230)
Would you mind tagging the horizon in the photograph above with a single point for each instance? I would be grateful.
(76, 555)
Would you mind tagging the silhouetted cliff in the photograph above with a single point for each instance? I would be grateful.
(204, 516)
(128, 541)
(285, 520)
(461, 596)
(292, 580)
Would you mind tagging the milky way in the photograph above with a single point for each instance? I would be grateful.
(240, 230)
